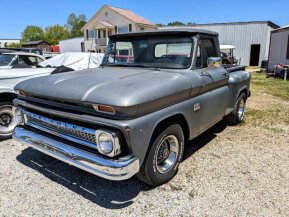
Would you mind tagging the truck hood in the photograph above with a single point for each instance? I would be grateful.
(132, 91)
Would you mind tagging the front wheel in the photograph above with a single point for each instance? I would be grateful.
(164, 157)
(7, 120)
(237, 116)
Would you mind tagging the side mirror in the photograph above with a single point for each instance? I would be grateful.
(214, 62)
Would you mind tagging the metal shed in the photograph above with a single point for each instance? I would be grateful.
(251, 39)
(72, 45)
(279, 47)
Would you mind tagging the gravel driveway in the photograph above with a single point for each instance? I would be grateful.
(228, 171)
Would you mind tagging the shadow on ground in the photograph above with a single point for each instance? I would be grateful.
(105, 193)
(199, 142)
(3, 140)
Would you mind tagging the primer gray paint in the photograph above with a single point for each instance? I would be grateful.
(242, 35)
(278, 47)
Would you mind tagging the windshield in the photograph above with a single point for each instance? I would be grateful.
(5, 59)
(159, 52)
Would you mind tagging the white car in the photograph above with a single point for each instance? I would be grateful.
(19, 60)
(10, 77)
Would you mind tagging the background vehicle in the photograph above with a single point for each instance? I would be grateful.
(227, 54)
(20, 60)
(133, 118)
(10, 77)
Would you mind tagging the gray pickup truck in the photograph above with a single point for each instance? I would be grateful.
(133, 115)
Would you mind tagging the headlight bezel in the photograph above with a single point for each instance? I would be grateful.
(115, 140)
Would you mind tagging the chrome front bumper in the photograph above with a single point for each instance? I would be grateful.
(116, 170)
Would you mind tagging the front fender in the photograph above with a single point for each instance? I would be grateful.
(7, 90)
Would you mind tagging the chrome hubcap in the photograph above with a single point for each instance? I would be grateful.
(167, 153)
(241, 110)
(7, 120)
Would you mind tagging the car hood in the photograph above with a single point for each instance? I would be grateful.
(15, 73)
(5, 67)
(132, 91)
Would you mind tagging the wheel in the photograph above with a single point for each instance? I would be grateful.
(164, 156)
(238, 114)
(7, 120)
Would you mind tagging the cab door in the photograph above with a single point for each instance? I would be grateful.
(214, 94)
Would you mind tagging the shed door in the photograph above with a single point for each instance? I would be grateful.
(255, 54)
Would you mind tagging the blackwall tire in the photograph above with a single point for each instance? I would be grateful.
(7, 120)
(237, 116)
(164, 156)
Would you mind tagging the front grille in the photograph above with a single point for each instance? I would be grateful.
(61, 129)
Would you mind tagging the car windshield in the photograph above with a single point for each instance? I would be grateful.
(5, 59)
(158, 52)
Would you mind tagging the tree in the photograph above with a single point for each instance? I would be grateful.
(53, 34)
(160, 24)
(74, 24)
(176, 23)
(32, 33)
(14, 45)
(191, 23)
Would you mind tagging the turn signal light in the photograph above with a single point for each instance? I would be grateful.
(104, 109)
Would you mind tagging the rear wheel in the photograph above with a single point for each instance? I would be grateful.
(237, 116)
(7, 120)
(164, 157)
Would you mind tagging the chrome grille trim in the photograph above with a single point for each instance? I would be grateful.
(74, 133)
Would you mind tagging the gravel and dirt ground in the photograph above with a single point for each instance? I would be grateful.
(228, 171)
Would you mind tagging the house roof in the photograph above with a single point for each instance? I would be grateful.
(35, 42)
(106, 24)
(123, 12)
(131, 15)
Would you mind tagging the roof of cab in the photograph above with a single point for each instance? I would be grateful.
(167, 32)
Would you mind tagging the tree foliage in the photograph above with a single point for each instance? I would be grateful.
(191, 23)
(54, 34)
(176, 23)
(32, 33)
(160, 24)
(14, 45)
(75, 23)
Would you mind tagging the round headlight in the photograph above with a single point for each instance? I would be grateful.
(105, 142)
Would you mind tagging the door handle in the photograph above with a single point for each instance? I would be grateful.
(226, 74)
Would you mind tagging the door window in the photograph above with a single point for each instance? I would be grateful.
(206, 49)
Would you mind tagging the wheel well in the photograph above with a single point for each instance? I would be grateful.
(245, 92)
(176, 119)
(7, 97)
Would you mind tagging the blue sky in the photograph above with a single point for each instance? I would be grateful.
(17, 14)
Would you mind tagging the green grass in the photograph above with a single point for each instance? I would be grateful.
(274, 86)
(268, 113)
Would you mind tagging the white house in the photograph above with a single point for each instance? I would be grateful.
(111, 20)
(6, 42)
